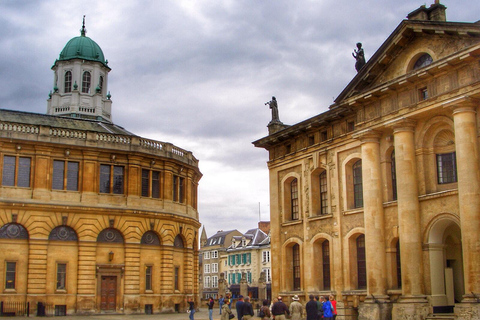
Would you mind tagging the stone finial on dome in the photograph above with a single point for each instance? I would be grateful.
(83, 31)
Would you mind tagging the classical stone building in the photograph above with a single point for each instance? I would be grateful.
(211, 251)
(93, 218)
(377, 200)
(248, 256)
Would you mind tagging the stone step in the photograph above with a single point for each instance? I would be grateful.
(441, 316)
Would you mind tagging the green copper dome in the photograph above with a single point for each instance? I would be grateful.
(82, 47)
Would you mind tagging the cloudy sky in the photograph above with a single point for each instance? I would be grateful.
(197, 73)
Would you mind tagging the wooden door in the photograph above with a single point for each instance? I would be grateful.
(108, 293)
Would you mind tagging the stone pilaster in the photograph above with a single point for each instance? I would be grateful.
(189, 272)
(37, 267)
(413, 302)
(86, 277)
(468, 170)
(132, 277)
(166, 271)
(377, 305)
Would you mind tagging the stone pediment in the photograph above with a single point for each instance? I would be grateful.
(397, 56)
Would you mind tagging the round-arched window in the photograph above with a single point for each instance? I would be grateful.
(424, 60)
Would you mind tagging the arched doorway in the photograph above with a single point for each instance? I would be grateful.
(446, 264)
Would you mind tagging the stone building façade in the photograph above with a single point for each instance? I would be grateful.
(93, 218)
(377, 200)
(212, 250)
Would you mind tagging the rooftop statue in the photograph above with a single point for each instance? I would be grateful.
(273, 105)
(359, 55)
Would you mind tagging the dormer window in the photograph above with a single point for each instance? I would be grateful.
(244, 242)
(424, 60)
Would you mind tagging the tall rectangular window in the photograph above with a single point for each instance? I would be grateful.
(326, 264)
(65, 177)
(267, 274)
(357, 184)
(361, 263)
(178, 189)
(111, 179)
(61, 276)
(294, 199)
(296, 267)
(214, 267)
(266, 256)
(10, 275)
(214, 282)
(446, 168)
(150, 183)
(148, 277)
(323, 193)
(16, 171)
(177, 275)
(206, 268)
(68, 82)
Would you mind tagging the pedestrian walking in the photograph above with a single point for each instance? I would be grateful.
(226, 311)
(191, 308)
(221, 301)
(210, 304)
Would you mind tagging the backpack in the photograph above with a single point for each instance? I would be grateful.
(261, 313)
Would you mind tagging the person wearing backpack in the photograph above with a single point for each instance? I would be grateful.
(264, 312)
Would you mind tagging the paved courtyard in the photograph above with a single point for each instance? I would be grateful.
(202, 314)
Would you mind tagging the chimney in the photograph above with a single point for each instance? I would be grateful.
(264, 226)
(436, 12)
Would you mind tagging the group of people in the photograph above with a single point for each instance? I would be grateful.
(318, 308)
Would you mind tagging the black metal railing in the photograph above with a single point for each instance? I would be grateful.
(13, 308)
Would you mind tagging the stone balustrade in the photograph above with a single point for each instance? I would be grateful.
(93, 139)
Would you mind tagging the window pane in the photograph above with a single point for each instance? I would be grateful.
(361, 263)
(182, 190)
(294, 199)
(148, 278)
(61, 275)
(177, 271)
(175, 188)
(23, 179)
(323, 193)
(399, 266)
(86, 82)
(8, 178)
(326, 264)
(72, 176)
(104, 178)
(68, 82)
(100, 84)
(155, 184)
(446, 168)
(145, 182)
(394, 177)
(118, 180)
(10, 275)
(58, 174)
(357, 184)
(296, 267)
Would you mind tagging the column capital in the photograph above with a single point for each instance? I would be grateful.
(368, 135)
(402, 124)
(462, 104)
